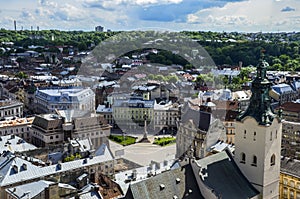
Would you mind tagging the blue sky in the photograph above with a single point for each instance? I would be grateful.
(213, 15)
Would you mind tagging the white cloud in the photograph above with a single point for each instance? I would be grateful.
(115, 3)
(254, 15)
(248, 15)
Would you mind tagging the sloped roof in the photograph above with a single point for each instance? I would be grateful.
(200, 118)
(8, 176)
(291, 107)
(14, 144)
(179, 182)
(282, 88)
(290, 166)
(29, 190)
(220, 173)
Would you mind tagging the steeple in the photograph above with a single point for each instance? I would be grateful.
(260, 102)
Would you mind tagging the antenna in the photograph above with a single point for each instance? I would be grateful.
(15, 25)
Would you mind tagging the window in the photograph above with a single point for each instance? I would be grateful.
(245, 132)
(51, 137)
(271, 135)
(276, 134)
(254, 161)
(243, 158)
(292, 183)
(254, 136)
(272, 160)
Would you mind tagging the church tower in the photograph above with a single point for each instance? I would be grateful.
(258, 138)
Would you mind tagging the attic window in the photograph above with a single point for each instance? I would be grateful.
(161, 186)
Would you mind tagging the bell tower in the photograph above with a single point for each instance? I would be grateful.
(258, 138)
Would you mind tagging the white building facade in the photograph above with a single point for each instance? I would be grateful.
(49, 100)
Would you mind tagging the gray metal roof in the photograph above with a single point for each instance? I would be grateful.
(226, 72)
(290, 166)
(8, 176)
(180, 183)
(220, 173)
(14, 144)
(282, 88)
(29, 190)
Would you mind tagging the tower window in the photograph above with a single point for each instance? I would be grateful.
(271, 135)
(254, 136)
(272, 160)
(254, 161)
(276, 134)
(245, 133)
(243, 158)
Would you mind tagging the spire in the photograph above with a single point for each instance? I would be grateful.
(260, 101)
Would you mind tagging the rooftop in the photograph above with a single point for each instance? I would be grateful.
(16, 122)
(290, 166)
(220, 174)
(70, 91)
(12, 168)
(13, 144)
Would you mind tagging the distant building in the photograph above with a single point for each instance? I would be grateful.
(18, 126)
(14, 144)
(129, 114)
(290, 111)
(17, 171)
(283, 93)
(290, 129)
(198, 130)
(107, 113)
(166, 117)
(289, 178)
(49, 100)
(99, 28)
(51, 129)
(11, 108)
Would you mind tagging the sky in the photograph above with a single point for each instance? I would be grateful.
(173, 15)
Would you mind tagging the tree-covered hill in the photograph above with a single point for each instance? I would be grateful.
(281, 49)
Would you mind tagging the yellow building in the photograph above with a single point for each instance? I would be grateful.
(130, 114)
(289, 179)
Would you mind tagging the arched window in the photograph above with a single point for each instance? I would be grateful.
(254, 136)
(245, 132)
(243, 158)
(254, 161)
(272, 162)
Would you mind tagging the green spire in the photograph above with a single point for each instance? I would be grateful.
(260, 101)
